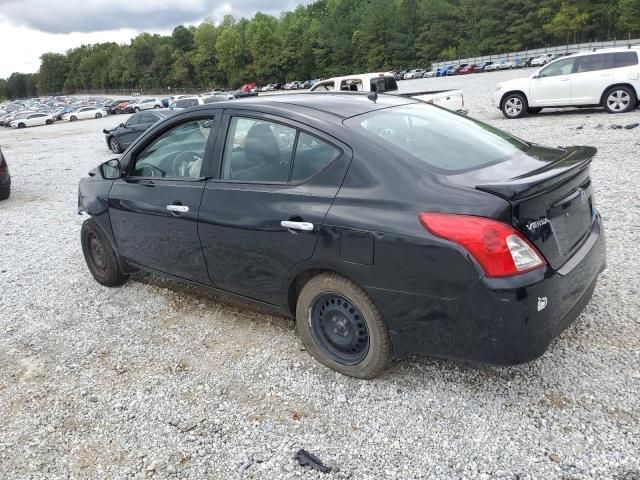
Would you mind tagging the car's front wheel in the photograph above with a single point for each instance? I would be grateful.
(73, 118)
(100, 255)
(342, 328)
(114, 145)
(619, 99)
(514, 105)
(98, 115)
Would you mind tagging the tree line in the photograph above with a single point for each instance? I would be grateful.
(324, 39)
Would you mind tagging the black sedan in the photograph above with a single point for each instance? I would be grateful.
(120, 137)
(386, 226)
(5, 178)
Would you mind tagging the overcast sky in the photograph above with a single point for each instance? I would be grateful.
(29, 28)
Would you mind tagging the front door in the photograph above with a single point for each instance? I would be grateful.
(264, 213)
(154, 207)
(553, 85)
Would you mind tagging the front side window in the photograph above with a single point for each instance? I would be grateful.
(324, 87)
(561, 67)
(177, 153)
(437, 139)
(592, 63)
(258, 151)
(133, 121)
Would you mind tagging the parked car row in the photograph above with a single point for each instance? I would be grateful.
(47, 110)
(468, 68)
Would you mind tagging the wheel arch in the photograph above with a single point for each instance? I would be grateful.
(511, 92)
(619, 84)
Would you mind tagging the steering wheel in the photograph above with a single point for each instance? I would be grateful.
(184, 161)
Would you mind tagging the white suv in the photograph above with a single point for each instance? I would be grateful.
(608, 78)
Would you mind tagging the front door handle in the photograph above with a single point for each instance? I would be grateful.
(178, 208)
(302, 226)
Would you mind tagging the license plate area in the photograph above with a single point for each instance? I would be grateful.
(571, 218)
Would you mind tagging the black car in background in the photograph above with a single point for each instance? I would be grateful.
(386, 226)
(120, 137)
(5, 178)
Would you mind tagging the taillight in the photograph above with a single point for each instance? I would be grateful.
(499, 248)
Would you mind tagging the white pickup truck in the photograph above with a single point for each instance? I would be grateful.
(386, 83)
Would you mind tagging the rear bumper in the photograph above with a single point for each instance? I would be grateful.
(498, 321)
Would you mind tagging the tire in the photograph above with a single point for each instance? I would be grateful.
(114, 145)
(73, 118)
(136, 110)
(100, 257)
(619, 99)
(156, 106)
(22, 125)
(366, 351)
(534, 110)
(49, 122)
(5, 193)
(98, 115)
(514, 105)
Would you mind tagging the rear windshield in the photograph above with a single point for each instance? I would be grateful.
(438, 139)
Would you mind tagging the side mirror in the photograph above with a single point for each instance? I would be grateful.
(535, 75)
(111, 170)
(122, 125)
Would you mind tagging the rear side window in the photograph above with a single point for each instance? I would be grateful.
(312, 155)
(134, 120)
(591, 63)
(383, 84)
(324, 87)
(440, 140)
(267, 152)
(258, 151)
(625, 59)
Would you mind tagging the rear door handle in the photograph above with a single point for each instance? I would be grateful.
(178, 208)
(302, 226)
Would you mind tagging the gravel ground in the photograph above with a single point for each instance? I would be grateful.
(157, 379)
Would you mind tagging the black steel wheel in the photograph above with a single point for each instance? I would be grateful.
(341, 327)
(100, 257)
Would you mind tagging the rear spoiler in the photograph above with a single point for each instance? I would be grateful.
(571, 163)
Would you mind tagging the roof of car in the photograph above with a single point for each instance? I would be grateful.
(347, 104)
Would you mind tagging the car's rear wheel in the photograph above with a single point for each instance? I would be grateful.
(22, 125)
(534, 110)
(98, 115)
(514, 105)
(5, 192)
(342, 328)
(156, 106)
(136, 110)
(619, 99)
(114, 145)
(73, 118)
(100, 256)
(49, 122)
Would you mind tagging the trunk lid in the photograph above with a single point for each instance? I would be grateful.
(550, 194)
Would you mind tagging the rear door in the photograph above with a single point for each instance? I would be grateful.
(553, 85)
(262, 215)
(154, 207)
(591, 75)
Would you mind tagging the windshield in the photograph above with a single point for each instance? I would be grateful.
(438, 139)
